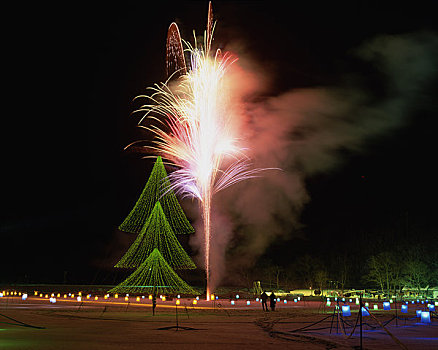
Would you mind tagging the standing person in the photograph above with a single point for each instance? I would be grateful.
(272, 301)
(264, 298)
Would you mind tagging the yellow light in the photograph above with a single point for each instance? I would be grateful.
(106, 296)
(52, 295)
(116, 296)
(150, 296)
(195, 302)
(80, 294)
(88, 296)
(212, 297)
(41, 295)
(65, 296)
(46, 296)
(72, 295)
(15, 293)
(137, 299)
(164, 298)
(34, 293)
(19, 293)
(177, 301)
(96, 297)
(126, 298)
(58, 295)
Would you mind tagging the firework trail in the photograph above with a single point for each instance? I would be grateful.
(195, 130)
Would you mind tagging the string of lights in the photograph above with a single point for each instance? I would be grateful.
(154, 275)
(156, 234)
(157, 189)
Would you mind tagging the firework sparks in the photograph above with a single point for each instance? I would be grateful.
(195, 131)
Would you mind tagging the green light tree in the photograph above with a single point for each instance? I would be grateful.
(154, 275)
(156, 234)
(157, 189)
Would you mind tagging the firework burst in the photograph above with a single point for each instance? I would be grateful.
(195, 129)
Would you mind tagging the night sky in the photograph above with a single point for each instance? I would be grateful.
(73, 71)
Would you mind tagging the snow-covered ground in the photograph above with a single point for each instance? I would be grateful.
(119, 324)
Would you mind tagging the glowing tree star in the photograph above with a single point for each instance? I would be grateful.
(156, 234)
(196, 130)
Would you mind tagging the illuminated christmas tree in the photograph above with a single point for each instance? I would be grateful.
(156, 234)
(157, 189)
(154, 275)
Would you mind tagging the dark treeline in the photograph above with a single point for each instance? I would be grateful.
(381, 265)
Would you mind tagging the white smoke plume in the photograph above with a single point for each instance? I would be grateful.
(301, 131)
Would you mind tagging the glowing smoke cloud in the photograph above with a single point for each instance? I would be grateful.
(196, 129)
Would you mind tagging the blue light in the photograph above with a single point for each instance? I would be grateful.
(418, 313)
(365, 311)
(346, 310)
(404, 309)
(425, 317)
(386, 305)
(232, 302)
(431, 308)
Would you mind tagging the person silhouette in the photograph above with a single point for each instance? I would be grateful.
(272, 301)
(264, 298)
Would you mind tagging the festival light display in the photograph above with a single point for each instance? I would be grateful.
(157, 189)
(154, 275)
(196, 128)
(156, 234)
